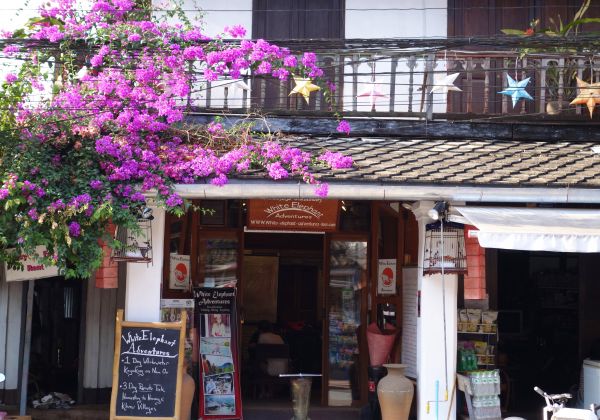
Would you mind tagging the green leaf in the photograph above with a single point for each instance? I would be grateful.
(513, 32)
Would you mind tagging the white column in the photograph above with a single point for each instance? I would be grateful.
(430, 334)
(142, 296)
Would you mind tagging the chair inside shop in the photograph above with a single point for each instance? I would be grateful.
(261, 380)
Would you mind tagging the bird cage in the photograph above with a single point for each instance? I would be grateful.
(444, 249)
(136, 245)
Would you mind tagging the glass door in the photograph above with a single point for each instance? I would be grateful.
(218, 259)
(345, 300)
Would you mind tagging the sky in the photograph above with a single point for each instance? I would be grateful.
(14, 13)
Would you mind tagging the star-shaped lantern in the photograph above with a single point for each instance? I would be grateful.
(589, 95)
(516, 90)
(304, 87)
(373, 94)
(444, 83)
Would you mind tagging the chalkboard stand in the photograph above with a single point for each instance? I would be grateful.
(120, 323)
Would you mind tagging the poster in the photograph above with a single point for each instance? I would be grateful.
(386, 277)
(216, 320)
(170, 311)
(179, 272)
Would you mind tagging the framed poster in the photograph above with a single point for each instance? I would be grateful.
(179, 272)
(386, 277)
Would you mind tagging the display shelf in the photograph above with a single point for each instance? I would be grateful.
(487, 333)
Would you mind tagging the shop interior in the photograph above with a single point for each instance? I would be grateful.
(547, 305)
(283, 280)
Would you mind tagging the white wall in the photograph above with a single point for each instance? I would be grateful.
(396, 19)
(393, 19)
(216, 14)
(142, 296)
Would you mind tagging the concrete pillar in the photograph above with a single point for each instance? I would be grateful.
(142, 296)
(433, 290)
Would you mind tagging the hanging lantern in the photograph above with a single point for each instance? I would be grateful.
(136, 245)
(444, 249)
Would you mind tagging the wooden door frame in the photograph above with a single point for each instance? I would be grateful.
(376, 208)
(362, 345)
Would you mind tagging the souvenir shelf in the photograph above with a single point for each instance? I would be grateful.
(480, 339)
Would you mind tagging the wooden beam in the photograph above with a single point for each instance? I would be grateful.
(401, 128)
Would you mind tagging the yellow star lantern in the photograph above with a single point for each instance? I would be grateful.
(304, 87)
(589, 95)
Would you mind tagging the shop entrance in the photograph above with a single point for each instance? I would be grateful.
(281, 295)
(318, 291)
(545, 322)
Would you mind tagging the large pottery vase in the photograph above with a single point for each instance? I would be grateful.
(395, 392)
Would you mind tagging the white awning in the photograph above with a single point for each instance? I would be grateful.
(535, 229)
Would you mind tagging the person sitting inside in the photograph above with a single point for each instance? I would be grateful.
(266, 336)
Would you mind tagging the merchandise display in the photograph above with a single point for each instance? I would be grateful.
(477, 339)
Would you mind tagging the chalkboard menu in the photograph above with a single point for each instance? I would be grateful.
(147, 369)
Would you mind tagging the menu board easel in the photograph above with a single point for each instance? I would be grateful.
(147, 369)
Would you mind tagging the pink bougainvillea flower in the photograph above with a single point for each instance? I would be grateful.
(343, 127)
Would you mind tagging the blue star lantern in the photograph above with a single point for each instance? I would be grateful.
(516, 90)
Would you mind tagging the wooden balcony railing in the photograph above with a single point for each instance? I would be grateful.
(400, 84)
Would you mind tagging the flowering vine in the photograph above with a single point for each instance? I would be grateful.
(93, 121)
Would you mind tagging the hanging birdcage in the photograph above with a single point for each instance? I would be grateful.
(136, 245)
(444, 248)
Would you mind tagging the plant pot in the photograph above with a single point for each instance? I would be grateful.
(395, 392)
(557, 107)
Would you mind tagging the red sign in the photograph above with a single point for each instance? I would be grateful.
(313, 215)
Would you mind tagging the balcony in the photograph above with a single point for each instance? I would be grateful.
(388, 82)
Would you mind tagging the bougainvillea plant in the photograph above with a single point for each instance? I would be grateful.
(92, 123)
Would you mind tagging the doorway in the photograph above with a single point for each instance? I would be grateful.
(55, 332)
(282, 285)
(541, 323)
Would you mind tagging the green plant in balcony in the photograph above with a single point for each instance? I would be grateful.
(557, 29)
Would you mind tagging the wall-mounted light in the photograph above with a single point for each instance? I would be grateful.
(407, 206)
(438, 211)
(344, 206)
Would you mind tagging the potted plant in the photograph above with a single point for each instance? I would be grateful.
(562, 67)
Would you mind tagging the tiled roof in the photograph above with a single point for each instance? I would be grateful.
(464, 162)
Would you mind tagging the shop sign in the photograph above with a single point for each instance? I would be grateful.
(179, 272)
(32, 269)
(312, 215)
(386, 277)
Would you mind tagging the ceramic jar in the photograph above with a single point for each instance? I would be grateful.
(395, 393)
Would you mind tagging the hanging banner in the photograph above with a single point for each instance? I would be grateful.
(32, 269)
(179, 272)
(386, 277)
(216, 320)
(309, 215)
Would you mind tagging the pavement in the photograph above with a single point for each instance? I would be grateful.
(259, 410)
